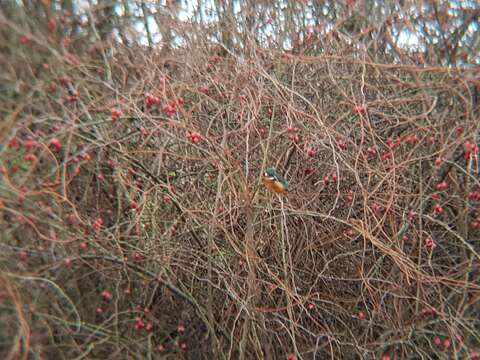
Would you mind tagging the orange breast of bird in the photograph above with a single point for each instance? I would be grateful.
(274, 185)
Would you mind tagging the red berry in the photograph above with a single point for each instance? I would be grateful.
(412, 139)
(134, 205)
(106, 295)
(476, 223)
(393, 144)
(115, 114)
(143, 131)
(441, 186)
(13, 143)
(358, 109)
(30, 158)
(29, 144)
(350, 196)
(52, 24)
(25, 39)
(203, 89)
(438, 161)
(429, 243)
(23, 254)
(194, 137)
(341, 145)
(437, 341)
(361, 315)
(291, 356)
(56, 144)
(471, 149)
(474, 195)
(438, 208)
(151, 100)
(475, 355)
(311, 152)
(169, 109)
(97, 224)
(386, 156)
(429, 311)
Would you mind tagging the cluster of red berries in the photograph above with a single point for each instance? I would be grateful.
(170, 108)
(30, 158)
(311, 152)
(442, 186)
(476, 223)
(372, 151)
(29, 144)
(330, 178)
(140, 324)
(152, 100)
(115, 114)
(97, 224)
(438, 208)
(392, 144)
(474, 195)
(194, 137)
(106, 295)
(446, 343)
(429, 243)
(411, 139)
(293, 134)
(471, 150)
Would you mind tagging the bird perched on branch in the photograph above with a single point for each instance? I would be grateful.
(274, 182)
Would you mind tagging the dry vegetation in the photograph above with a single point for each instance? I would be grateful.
(135, 225)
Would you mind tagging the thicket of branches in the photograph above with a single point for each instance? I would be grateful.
(134, 221)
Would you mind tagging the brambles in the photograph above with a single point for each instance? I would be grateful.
(132, 189)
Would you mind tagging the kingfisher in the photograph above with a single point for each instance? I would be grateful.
(274, 182)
